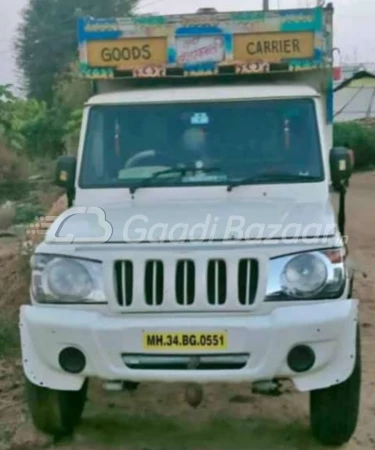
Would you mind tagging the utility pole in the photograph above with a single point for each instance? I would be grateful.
(266, 5)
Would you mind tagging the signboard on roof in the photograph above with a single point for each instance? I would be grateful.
(273, 47)
(196, 49)
(203, 44)
(124, 54)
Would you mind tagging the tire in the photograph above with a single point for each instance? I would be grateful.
(334, 411)
(53, 412)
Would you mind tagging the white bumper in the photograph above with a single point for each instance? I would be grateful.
(328, 328)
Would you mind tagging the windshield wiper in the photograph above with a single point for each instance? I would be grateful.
(271, 176)
(177, 170)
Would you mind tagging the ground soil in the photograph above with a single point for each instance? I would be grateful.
(157, 418)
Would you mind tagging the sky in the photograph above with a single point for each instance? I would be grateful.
(354, 31)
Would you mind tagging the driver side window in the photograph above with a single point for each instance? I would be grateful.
(94, 166)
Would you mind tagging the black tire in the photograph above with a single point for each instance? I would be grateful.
(53, 412)
(351, 287)
(334, 411)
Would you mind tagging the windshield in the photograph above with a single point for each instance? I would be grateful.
(128, 145)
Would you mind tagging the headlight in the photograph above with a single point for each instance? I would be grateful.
(59, 279)
(304, 275)
(312, 275)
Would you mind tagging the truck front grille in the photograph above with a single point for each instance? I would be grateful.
(186, 283)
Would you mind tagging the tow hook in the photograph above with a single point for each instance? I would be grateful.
(130, 386)
(120, 385)
(270, 388)
(194, 395)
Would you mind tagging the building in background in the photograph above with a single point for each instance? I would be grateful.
(354, 97)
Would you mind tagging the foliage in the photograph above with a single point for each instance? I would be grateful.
(70, 93)
(32, 120)
(359, 138)
(12, 166)
(27, 213)
(7, 216)
(49, 123)
(47, 42)
(26, 126)
(29, 127)
(72, 131)
(7, 125)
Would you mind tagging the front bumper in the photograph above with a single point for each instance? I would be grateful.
(329, 328)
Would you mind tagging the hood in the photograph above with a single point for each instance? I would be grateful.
(191, 221)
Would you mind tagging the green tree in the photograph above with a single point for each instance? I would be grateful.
(9, 131)
(6, 101)
(358, 137)
(27, 127)
(41, 133)
(47, 42)
(70, 94)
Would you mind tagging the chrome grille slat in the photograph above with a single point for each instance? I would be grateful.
(185, 282)
(154, 282)
(216, 282)
(247, 281)
(231, 274)
(200, 280)
(185, 268)
(154, 286)
(170, 271)
(124, 292)
(124, 281)
(138, 287)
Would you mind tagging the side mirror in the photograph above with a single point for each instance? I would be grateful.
(66, 174)
(341, 161)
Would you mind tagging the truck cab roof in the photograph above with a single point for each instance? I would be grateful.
(205, 93)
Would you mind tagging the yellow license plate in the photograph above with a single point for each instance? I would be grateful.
(185, 341)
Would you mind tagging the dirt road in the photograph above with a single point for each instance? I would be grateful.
(156, 417)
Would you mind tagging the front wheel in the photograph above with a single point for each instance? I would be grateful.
(55, 412)
(334, 411)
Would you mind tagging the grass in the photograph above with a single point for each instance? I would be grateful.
(7, 216)
(157, 432)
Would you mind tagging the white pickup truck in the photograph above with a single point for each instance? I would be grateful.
(200, 244)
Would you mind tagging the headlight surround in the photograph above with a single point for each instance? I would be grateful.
(61, 279)
(307, 276)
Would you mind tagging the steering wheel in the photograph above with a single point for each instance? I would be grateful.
(139, 157)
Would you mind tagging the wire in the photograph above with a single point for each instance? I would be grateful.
(348, 102)
(146, 5)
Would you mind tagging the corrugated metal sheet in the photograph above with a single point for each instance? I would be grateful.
(356, 99)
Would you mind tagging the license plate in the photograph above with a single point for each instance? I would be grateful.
(185, 341)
